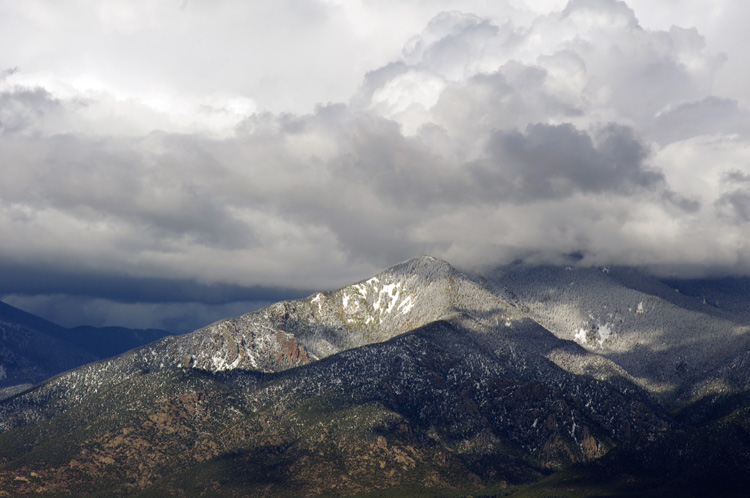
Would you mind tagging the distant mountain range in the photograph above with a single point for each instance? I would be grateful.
(419, 381)
(33, 349)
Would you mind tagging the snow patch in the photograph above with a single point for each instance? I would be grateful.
(406, 305)
(251, 357)
(362, 290)
(580, 336)
(393, 291)
(317, 300)
(235, 363)
(218, 363)
(639, 310)
(604, 333)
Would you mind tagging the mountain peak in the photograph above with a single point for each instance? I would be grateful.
(420, 359)
(423, 265)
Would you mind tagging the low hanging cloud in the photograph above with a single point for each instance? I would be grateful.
(580, 132)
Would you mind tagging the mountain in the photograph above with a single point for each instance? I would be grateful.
(680, 347)
(33, 349)
(421, 379)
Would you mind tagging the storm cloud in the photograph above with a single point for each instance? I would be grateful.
(481, 137)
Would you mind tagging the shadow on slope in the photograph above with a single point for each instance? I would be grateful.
(698, 461)
(673, 345)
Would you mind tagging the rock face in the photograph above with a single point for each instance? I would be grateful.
(418, 376)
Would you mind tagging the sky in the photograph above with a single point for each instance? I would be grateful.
(169, 163)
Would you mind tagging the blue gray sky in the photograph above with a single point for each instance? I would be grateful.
(167, 164)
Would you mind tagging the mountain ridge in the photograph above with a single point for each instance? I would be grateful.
(33, 349)
(677, 347)
(421, 375)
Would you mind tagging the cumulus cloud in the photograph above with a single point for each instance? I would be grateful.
(487, 139)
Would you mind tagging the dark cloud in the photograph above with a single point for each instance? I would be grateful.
(710, 115)
(735, 205)
(554, 161)
(19, 110)
(736, 177)
(687, 204)
(155, 185)
(53, 279)
(75, 296)
(176, 317)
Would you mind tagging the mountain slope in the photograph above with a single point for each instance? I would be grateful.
(293, 333)
(33, 349)
(675, 346)
(380, 415)
(419, 376)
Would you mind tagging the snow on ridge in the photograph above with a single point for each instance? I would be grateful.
(318, 299)
(382, 295)
(362, 290)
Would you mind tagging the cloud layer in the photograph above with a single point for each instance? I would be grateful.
(488, 139)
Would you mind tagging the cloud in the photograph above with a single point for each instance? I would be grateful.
(19, 110)
(553, 161)
(175, 317)
(708, 116)
(485, 139)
